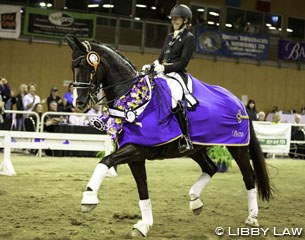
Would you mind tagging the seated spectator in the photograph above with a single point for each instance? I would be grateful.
(30, 99)
(54, 97)
(52, 120)
(261, 116)
(95, 109)
(77, 119)
(30, 122)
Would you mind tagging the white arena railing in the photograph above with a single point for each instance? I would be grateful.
(46, 140)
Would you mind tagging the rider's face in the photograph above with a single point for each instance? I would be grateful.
(177, 22)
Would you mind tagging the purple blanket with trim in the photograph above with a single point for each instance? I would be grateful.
(214, 121)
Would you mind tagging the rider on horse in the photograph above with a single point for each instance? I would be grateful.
(175, 55)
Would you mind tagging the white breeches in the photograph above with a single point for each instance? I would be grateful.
(178, 89)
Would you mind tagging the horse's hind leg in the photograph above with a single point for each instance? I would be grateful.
(208, 170)
(241, 156)
(139, 173)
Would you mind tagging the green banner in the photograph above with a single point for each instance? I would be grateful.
(56, 24)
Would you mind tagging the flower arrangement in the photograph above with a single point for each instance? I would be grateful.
(137, 96)
(220, 156)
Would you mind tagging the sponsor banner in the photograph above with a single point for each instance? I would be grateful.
(290, 50)
(273, 138)
(10, 21)
(231, 45)
(56, 24)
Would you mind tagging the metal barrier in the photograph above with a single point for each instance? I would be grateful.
(46, 140)
(52, 141)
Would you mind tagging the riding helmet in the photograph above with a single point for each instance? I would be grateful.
(181, 10)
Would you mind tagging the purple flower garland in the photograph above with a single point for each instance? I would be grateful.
(137, 96)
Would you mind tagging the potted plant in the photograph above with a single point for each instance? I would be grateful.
(221, 157)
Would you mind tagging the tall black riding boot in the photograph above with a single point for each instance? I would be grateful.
(185, 143)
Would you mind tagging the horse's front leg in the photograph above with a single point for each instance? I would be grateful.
(141, 228)
(125, 154)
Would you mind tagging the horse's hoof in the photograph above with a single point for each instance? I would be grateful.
(197, 211)
(135, 233)
(87, 207)
(196, 205)
(251, 222)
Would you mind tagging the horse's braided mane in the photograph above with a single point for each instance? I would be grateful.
(117, 52)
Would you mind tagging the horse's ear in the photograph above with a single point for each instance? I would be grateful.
(70, 42)
(74, 42)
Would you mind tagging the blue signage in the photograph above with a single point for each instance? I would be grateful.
(290, 50)
(231, 45)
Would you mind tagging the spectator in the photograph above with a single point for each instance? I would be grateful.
(95, 109)
(30, 99)
(54, 97)
(68, 99)
(1, 113)
(276, 118)
(30, 122)
(5, 90)
(23, 90)
(294, 128)
(261, 116)
(251, 110)
(52, 120)
(77, 119)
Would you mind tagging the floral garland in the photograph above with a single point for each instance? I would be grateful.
(137, 96)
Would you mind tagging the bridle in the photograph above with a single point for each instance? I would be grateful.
(94, 60)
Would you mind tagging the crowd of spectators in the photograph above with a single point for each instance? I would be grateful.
(28, 100)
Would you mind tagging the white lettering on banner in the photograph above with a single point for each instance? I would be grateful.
(297, 51)
(273, 138)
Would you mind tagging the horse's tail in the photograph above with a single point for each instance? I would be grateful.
(259, 164)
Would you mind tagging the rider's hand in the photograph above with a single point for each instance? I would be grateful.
(159, 68)
(146, 68)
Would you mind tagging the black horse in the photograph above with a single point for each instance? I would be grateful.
(99, 67)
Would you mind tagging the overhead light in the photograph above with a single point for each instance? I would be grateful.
(108, 6)
(153, 7)
(272, 28)
(200, 10)
(289, 30)
(268, 25)
(280, 29)
(137, 18)
(49, 5)
(141, 6)
(93, 5)
(211, 23)
(42, 4)
(217, 24)
(228, 25)
(21, 11)
(214, 13)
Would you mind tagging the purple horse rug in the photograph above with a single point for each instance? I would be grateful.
(219, 119)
